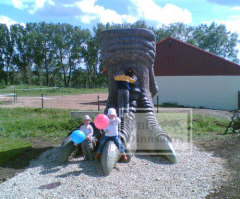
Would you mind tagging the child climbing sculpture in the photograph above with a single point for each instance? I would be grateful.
(123, 80)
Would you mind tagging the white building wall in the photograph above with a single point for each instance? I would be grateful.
(215, 92)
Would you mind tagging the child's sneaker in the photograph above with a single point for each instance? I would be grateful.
(97, 155)
(124, 157)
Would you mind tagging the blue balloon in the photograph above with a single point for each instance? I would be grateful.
(78, 136)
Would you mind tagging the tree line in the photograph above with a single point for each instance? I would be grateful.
(49, 54)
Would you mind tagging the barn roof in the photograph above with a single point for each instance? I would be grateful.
(176, 58)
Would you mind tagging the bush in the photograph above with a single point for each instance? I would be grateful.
(2, 84)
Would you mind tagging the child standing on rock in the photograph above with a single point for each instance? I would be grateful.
(111, 133)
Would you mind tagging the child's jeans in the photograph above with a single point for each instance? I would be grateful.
(115, 139)
(123, 101)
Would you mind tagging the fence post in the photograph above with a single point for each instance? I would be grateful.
(42, 100)
(14, 96)
(98, 103)
(157, 104)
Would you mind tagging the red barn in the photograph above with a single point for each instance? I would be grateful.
(190, 76)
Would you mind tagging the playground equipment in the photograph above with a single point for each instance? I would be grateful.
(123, 49)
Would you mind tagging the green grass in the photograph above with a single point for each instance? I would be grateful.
(209, 128)
(26, 123)
(178, 125)
(37, 90)
(49, 124)
(54, 124)
(11, 148)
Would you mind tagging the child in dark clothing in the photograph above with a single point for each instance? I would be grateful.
(123, 81)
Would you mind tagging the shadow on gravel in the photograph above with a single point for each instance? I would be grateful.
(17, 165)
(229, 150)
(90, 168)
(23, 160)
(155, 159)
(73, 173)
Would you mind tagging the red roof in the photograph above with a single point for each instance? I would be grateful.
(176, 58)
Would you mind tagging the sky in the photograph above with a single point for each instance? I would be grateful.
(87, 13)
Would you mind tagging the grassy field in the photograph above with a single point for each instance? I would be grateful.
(209, 128)
(19, 125)
(49, 124)
(179, 125)
(54, 124)
(50, 91)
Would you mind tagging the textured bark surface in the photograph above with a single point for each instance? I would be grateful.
(129, 48)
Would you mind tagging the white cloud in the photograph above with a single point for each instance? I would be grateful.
(8, 21)
(149, 10)
(140, 9)
(93, 11)
(31, 5)
(89, 10)
(17, 4)
(40, 3)
(236, 8)
(87, 19)
(232, 23)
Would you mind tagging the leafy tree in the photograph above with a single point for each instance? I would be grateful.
(176, 30)
(213, 38)
(216, 39)
(22, 58)
(61, 54)
(68, 43)
(78, 43)
(47, 50)
(6, 52)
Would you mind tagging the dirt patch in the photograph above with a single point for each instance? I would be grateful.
(80, 102)
(11, 168)
(85, 102)
(230, 151)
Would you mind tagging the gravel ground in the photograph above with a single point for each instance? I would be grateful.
(196, 175)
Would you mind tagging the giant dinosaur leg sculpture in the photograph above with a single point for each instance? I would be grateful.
(132, 48)
(110, 154)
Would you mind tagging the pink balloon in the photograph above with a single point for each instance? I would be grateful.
(101, 121)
